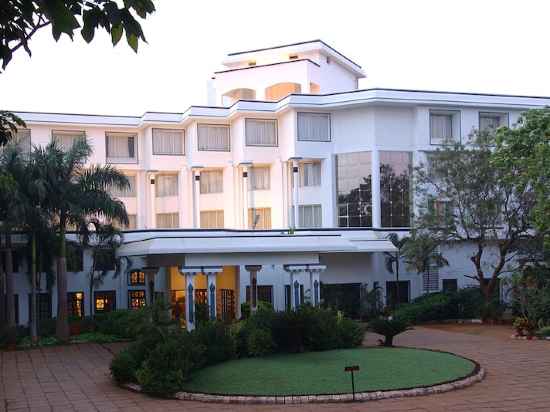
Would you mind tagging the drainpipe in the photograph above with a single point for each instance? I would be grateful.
(196, 173)
(245, 166)
(295, 179)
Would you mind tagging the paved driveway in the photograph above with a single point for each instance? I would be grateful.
(76, 378)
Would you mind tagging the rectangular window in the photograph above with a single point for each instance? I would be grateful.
(76, 304)
(450, 285)
(310, 216)
(259, 178)
(444, 126)
(168, 142)
(261, 132)
(211, 181)
(43, 306)
(121, 147)
(354, 189)
(442, 209)
(259, 219)
(136, 299)
(213, 137)
(104, 301)
(212, 219)
(314, 127)
(430, 281)
(66, 138)
(168, 220)
(136, 278)
(310, 174)
(127, 192)
(166, 185)
(489, 122)
(74, 258)
(105, 259)
(265, 293)
(395, 191)
(392, 292)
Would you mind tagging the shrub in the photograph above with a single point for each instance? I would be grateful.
(123, 323)
(46, 327)
(288, 331)
(169, 364)
(217, 340)
(389, 328)
(350, 333)
(543, 332)
(124, 366)
(321, 328)
(260, 343)
(245, 310)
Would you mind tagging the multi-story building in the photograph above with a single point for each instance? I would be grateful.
(289, 141)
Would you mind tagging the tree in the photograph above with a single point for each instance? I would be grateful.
(102, 241)
(392, 259)
(523, 154)
(9, 123)
(462, 196)
(76, 195)
(421, 253)
(21, 211)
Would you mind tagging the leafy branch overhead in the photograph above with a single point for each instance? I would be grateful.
(21, 19)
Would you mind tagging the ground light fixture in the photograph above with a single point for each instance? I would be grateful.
(351, 369)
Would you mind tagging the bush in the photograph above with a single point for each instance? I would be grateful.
(321, 328)
(260, 343)
(389, 328)
(217, 340)
(46, 327)
(169, 364)
(543, 332)
(124, 366)
(123, 323)
(350, 333)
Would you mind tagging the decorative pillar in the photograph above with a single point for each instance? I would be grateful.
(296, 294)
(150, 273)
(314, 283)
(190, 301)
(375, 190)
(212, 290)
(253, 269)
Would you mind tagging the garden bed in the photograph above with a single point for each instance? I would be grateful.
(320, 376)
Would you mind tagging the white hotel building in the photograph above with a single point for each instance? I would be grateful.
(288, 140)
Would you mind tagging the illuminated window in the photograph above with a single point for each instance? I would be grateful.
(104, 301)
(136, 278)
(136, 299)
(76, 304)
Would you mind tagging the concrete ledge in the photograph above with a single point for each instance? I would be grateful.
(476, 376)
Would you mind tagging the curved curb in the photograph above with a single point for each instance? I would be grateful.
(476, 376)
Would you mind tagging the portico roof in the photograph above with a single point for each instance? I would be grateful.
(152, 242)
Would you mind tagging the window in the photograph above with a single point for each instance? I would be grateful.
(104, 301)
(265, 293)
(105, 260)
(168, 142)
(136, 299)
(43, 306)
(238, 94)
(259, 219)
(442, 209)
(211, 181)
(168, 220)
(450, 285)
(310, 174)
(261, 132)
(354, 189)
(66, 138)
(212, 219)
(259, 178)
(430, 281)
(310, 216)
(213, 137)
(314, 127)
(491, 121)
(395, 194)
(281, 90)
(444, 126)
(166, 185)
(392, 292)
(126, 192)
(136, 278)
(76, 304)
(22, 140)
(121, 147)
(74, 258)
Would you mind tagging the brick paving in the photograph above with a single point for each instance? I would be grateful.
(76, 378)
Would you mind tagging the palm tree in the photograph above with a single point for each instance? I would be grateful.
(75, 195)
(21, 212)
(421, 253)
(392, 259)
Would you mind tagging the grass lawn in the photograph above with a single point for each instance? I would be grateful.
(323, 372)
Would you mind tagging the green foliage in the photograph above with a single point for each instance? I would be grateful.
(217, 340)
(260, 343)
(544, 332)
(124, 366)
(9, 123)
(245, 310)
(421, 252)
(46, 327)
(389, 328)
(371, 304)
(22, 19)
(350, 333)
(123, 323)
(95, 337)
(530, 295)
(201, 313)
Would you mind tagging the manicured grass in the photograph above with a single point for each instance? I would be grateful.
(323, 372)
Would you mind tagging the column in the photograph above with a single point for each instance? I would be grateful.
(211, 290)
(190, 300)
(253, 269)
(295, 179)
(150, 273)
(315, 283)
(245, 170)
(196, 198)
(376, 208)
(152, 213)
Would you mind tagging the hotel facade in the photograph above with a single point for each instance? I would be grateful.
(283, 189)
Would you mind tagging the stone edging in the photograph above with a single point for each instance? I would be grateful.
(518, 337)
(476, 376)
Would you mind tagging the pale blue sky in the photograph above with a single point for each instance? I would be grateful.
(483, 46)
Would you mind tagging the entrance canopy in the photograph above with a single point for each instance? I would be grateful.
(249, 247)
